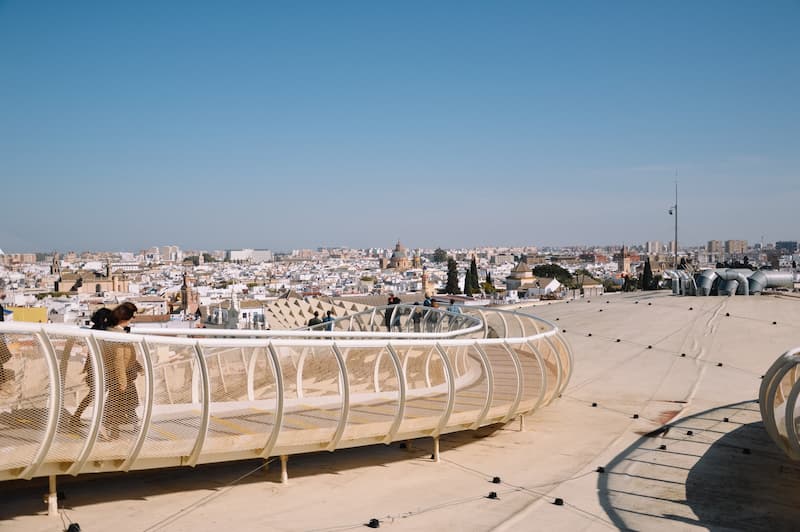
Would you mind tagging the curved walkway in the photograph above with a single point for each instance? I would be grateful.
(227, 395)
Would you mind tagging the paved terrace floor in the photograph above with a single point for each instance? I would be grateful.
(717, 468)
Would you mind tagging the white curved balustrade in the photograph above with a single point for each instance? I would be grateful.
(227, 394)
(777, 399)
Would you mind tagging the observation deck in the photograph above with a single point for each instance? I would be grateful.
(216, 395)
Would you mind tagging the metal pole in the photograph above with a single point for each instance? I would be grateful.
(676, 224)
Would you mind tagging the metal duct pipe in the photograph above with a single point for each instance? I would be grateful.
(688, 285)
(676, 283)
(729, 288)
(762, 279)
(705, 281)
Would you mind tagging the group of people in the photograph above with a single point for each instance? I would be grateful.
(392, 317)
(328, 319)
(121, 368)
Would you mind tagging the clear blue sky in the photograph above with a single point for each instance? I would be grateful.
(298, 124)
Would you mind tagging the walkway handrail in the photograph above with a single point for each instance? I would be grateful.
(209, 395)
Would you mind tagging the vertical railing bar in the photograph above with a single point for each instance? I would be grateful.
(98, 368)
(299, 376)
(403, 386)
(512, 411)
(54, 405)
(279, 401)
(451, 391)
(250, 369)
(206, 408)
(376, 372)
(542, 370)
(345, 393)
(559, 370)
(487, 366)
(147, 414)
(789, 421)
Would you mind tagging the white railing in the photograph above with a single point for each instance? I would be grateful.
(225, 395)
(777, 400)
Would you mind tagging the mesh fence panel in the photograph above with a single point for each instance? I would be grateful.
(311, 418)
(470, 383)
(175, 422)
(505, 379)
(424, 372)
(77, 382)
(24, 394)
(550, 366)
(120, 423)
(531, 374)
(236, 422)
(375, 393)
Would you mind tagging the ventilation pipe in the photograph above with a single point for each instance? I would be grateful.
(676, 284)
(735, 282)
(688, 285)
(770, 279)
(705, 282)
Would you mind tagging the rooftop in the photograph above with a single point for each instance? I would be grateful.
(628, 361)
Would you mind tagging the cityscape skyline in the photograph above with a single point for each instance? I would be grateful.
(453, 125)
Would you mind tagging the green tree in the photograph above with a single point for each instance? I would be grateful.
(473, 276)
(553, 270)
(208, 258)
(468, 284)
(194, 259)
(452, 278)
(488, 285)
(439, 255)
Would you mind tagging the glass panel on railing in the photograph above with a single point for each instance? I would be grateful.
(24, 396)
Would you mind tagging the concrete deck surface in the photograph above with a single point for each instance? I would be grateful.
(725, 475)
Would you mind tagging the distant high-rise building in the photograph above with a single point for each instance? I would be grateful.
(623, 261)
(653, 247)
(714, 246)
(248, 255)
(787, 247)
(735, 247)
(169, 253)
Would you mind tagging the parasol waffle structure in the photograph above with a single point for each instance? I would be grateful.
(170, 397)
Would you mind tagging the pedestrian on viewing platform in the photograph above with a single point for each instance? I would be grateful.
(328, 320)
(315, 320)
(416, 317)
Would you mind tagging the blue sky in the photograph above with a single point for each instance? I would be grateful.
(301, 124)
